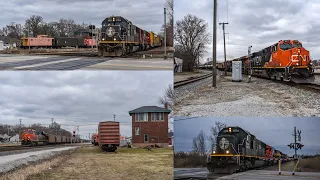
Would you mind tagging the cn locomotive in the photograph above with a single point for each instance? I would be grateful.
(238, 150)
(119, 37)
(30, 137)
(286, 60)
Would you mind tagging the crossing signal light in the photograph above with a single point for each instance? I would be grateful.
(92, 27)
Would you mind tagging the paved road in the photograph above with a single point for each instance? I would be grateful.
(42, 62)
(203, 173)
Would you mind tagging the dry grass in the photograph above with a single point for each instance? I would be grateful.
(24, 172)
(91, 163)
(310, 164)
(184, 160)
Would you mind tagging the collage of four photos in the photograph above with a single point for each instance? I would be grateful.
(163, 89)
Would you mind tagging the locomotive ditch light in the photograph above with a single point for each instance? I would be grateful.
(102, 39)
(227, 152)
(114, 39)
(214, 152)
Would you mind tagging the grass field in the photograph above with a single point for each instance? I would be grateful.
(91, 163)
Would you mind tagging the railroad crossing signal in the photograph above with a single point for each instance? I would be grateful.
(74, 133)
(298, 146)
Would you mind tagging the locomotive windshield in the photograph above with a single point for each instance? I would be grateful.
(295, 45)
(285, 46)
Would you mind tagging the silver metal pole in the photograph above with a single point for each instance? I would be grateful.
(214, 51)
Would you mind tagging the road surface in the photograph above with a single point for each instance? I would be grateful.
(203, 173)
(54, 62)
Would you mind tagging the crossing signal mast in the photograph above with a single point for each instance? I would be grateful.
(296, 145)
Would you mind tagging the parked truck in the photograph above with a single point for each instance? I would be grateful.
(109, 136)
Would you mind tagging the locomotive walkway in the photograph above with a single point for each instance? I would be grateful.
(54, 62)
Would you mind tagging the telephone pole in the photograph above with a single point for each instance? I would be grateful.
(295, 142)
(19, 131)
(165, 33)
(224, 44)
(214, 50)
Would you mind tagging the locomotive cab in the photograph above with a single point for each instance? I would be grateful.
(235, 150)
(118, 37)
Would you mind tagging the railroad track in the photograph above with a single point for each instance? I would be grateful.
(191, 80)
(17, 148)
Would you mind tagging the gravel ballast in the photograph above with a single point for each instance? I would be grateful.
(259, 98)
(11, 162)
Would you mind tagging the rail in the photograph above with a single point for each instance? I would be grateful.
(191, 80)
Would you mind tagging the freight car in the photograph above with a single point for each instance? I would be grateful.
(119, 37)
(33, 138)
(239, 150)
(109, 136)
(43, 41)
(286, 60)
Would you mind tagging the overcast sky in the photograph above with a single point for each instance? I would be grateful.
(145, 14)
(79, 97)
(276, 132)
(259, 23)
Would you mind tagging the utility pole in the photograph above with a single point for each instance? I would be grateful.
(51, 122)
(114, 118)
(249, 60)
(295, 142)
(19, 131)
(165, 33)
(224, 44)
(214, 50)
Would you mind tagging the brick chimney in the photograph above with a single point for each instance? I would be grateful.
(166, 105)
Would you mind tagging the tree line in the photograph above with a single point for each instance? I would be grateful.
(35, 25)
(199, 143)
(54, 129)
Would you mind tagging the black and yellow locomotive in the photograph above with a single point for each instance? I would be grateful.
(238, 150)
(119, 37)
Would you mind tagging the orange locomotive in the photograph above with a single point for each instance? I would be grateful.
(33, 138)
(95, 139)
(285, 60)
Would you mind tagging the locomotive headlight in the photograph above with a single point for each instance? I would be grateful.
(230, 129)
(227, 152)
(297, 64)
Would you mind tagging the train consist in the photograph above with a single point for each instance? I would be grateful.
(95, 139)
(119, 37)
(286, 60)
(238, 150)
(109, 136)
(32, 138)
(43, 41)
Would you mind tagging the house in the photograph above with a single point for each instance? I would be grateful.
(150, 126)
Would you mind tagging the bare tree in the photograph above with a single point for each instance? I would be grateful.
(199, 143)
(66, 27)
(168, 97)
(34, 25)
(191, 37)
(214, 133)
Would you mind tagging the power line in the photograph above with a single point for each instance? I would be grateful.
(186, 119)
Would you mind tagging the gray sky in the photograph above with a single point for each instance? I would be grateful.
(144, 13)
(276, 132)
(259, 23)
(79, 97)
